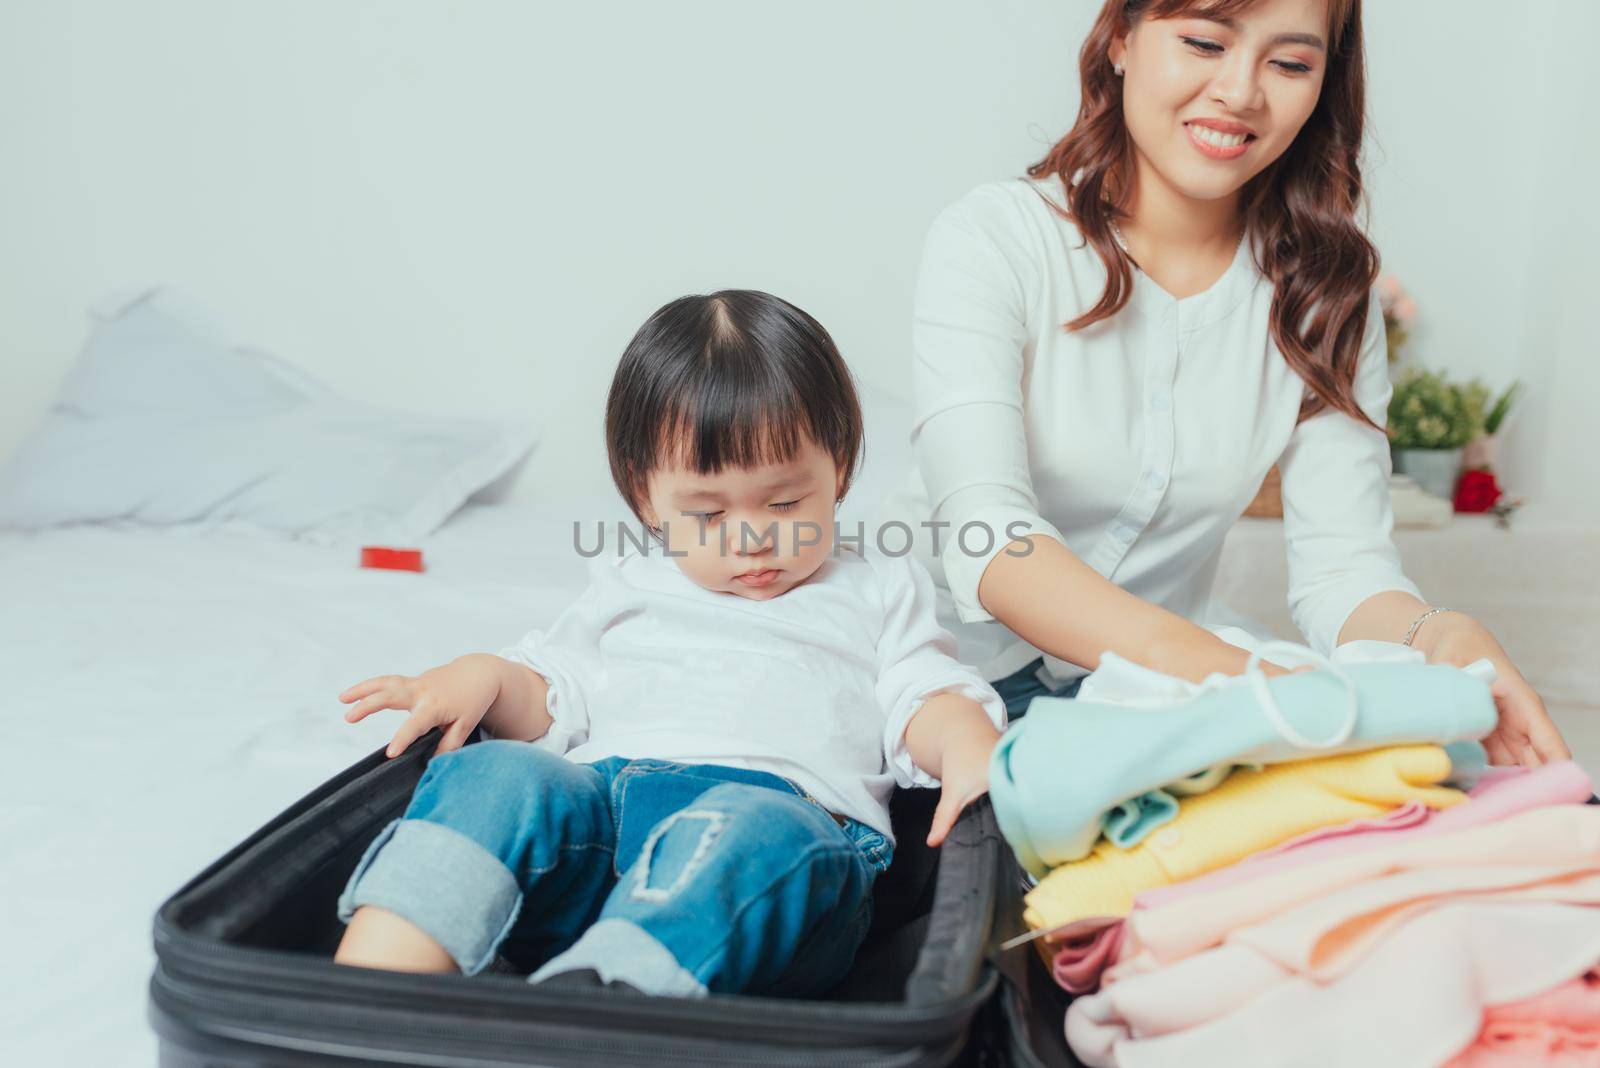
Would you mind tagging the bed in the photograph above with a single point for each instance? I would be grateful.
(168, 691)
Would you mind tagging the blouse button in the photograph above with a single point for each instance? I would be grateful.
(1154, 480)
(1169, 838)
(1123, 534)
(1161, 403)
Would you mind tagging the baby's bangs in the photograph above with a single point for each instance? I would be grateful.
(727, 430)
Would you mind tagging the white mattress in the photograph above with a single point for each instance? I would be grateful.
(164, 693)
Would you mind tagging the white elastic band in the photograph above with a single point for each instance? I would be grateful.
(1291, 651)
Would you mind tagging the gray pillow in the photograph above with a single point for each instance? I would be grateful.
(162, 422)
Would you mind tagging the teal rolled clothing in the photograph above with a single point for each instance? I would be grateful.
(1131, 822)
(1058, 771)
(1468, 762)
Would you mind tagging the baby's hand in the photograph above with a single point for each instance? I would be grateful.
(454, 696)
(965, 779)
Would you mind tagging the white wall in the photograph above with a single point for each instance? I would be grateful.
(1555, 441)
(1482, 177)
(464, 207)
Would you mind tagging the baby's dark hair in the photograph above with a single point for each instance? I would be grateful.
(736, 378)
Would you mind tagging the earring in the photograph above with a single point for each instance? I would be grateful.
(1116, 68)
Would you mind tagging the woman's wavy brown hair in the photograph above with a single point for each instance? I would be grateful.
(1300, 211)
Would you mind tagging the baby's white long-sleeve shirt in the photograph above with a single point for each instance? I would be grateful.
(816, 685)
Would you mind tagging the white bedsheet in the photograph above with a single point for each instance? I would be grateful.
(164, 693)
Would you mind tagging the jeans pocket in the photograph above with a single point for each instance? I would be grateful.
(799, 791)
(872, 844)
(805, 795)
(646, 764)
(630, 771)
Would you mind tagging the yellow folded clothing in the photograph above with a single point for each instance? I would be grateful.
(1251, 811)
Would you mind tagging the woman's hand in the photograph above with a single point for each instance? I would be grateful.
(1525, 734)
(454, 696)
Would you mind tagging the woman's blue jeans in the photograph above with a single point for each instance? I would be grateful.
(1022, 686)
(677, 879)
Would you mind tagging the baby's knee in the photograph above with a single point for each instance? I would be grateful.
(492, 761)
(520, 803)
(499, 768)
(743, 819)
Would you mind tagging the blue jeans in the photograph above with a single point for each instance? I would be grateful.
(1020, 687)
(677, 879)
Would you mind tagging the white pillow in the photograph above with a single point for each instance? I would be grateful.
(163, 422)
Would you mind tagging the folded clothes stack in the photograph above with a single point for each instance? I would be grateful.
(1304, 869)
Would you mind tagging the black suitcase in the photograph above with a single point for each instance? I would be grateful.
(244, 972)
(1027, 1020)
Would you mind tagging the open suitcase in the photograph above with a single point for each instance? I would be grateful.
(1026, 1020)
(244, 972)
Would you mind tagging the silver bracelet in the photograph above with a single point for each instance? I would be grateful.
(1423, 618)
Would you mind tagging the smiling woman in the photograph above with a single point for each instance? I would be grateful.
(1112, 352)
(1273, 87)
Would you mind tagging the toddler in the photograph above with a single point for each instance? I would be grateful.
(685, 787)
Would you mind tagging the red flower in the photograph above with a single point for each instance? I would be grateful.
(1477, 491)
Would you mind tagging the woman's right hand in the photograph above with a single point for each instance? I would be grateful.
(454, 696)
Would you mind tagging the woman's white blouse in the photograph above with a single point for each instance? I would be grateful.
(1136, 442)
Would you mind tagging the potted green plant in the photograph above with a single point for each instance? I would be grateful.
(1430, 420)
(1484, 450)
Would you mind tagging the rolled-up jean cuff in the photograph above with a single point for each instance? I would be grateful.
(620, 949)
(451, 887)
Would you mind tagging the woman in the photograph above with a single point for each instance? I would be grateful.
(1112, 352)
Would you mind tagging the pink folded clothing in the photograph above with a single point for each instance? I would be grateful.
(1420, 994)
(1080, 960)
(1502, 792)
(1410, 814)
(1552, 836)
(1560, 1027)
(1323, 938)
(1324, 941)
